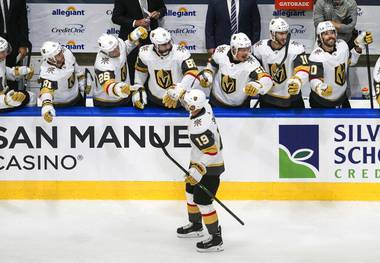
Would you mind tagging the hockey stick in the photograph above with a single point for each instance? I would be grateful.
(89, 79)
(158, 139)
(23, 83)
(281, 63)
(369, 75)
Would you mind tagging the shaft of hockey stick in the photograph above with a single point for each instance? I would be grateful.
(369, 76)
(158, 139)
(280, 65)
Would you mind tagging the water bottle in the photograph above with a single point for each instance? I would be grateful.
(365, 93)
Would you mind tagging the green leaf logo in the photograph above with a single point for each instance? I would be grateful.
(293, 167)
(302, 154)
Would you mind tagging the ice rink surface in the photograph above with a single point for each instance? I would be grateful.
(144, 232)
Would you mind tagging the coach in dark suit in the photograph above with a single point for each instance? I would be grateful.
(130, 14)
(14, 28)
(226, 17)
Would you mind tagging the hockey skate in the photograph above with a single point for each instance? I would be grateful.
(191, 230)
(213, 244)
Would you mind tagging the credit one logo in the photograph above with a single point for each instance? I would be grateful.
(297, 29)
(69, 29)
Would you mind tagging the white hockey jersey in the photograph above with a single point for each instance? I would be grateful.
(376, 77)
(163, 71)
(6, 73)
(296, 63)
(111, 69)
(231, 77)
(62, 82)
(331, 69)
(205, 140)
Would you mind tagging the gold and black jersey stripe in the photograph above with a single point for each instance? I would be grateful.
(140, 66)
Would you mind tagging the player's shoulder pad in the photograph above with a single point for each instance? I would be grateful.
(203, 122)
(260, 45)
(317, 55)
(296, 47)
(69, 56)
(180, 52)
(220, 52)
(48, 71)
(341, 44)
(145, 51)
(253, 61)
(103, 62)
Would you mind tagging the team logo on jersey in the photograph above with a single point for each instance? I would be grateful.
(340, 74)
(278, 74)
(228, 84)
(198, 123)
(220, 49)
(298, 151)
(123, 72)
(164, 78)
(50, 70)
(71, 81)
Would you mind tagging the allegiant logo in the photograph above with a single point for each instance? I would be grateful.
(182, 11)
(70, 11)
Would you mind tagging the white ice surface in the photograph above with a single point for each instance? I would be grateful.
(144, 231)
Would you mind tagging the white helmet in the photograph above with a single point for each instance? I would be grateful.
(194, 100)
(239, 40)
(277, 25)
(107, 43)
(160, 36)
(50, 49)
(324, 27)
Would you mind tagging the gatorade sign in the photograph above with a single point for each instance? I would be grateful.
(294, 4)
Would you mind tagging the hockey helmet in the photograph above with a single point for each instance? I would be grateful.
(239, 40)
(107, 43)
(277, 25)
(49, 50)
(4, 47)
(194, 100)
(324, 27)
(160, 36)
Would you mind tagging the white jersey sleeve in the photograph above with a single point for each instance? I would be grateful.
(141, 69)
(376, 77)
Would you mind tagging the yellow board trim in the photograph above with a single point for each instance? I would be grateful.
(127, 190)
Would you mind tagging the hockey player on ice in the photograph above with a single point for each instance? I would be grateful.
(288, 76)
(11, 99)
(112, 79)
(329, 64)
(170, 68)
(237, 74)
(206, 166)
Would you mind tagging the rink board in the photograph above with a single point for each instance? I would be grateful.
(89, 153)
